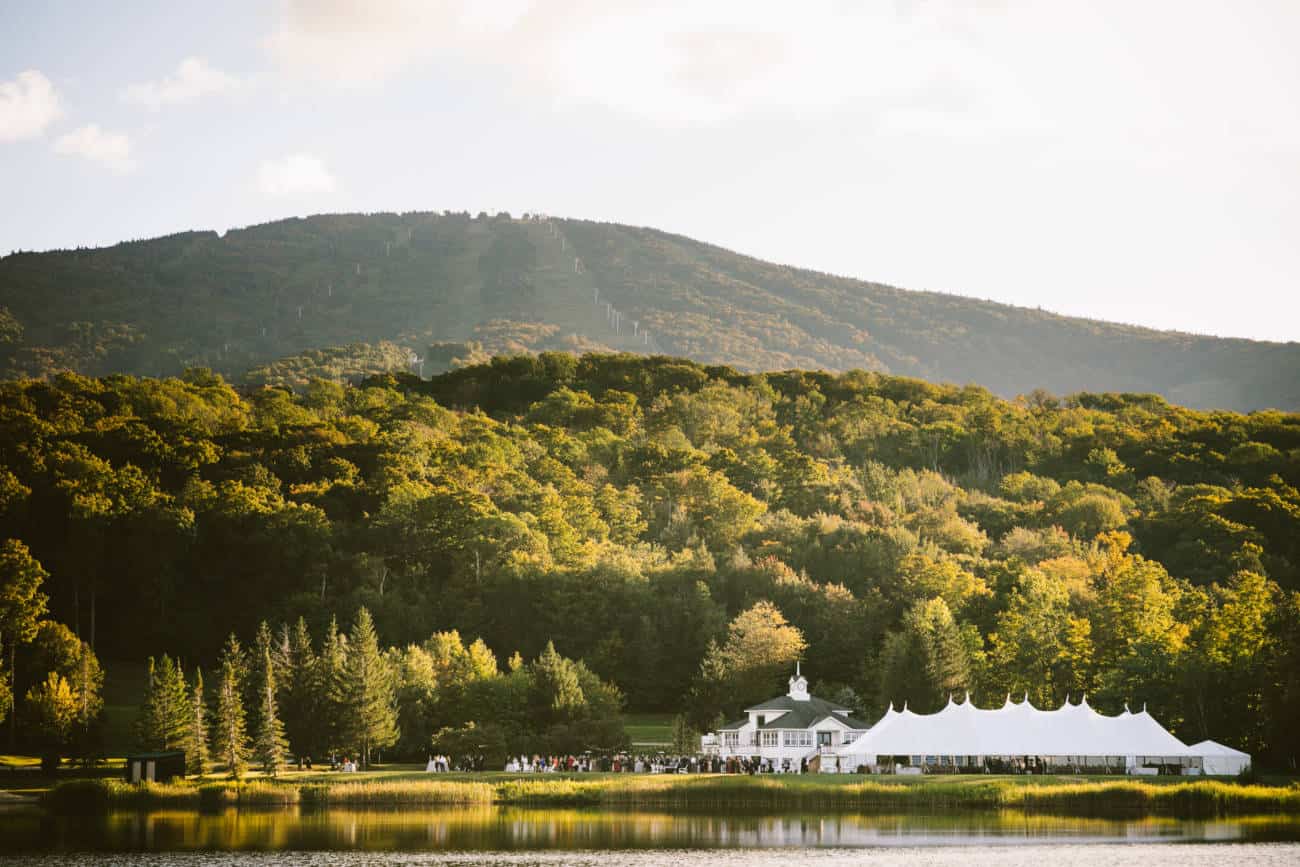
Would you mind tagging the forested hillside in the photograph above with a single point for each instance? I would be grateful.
(687, 531)
(429, 292)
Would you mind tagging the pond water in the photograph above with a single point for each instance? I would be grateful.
(508, 836)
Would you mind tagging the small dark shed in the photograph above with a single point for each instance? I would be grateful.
(155, 767)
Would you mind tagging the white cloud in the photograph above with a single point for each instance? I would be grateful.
(296, 174)
(28, 104)
(675, 61)
(110, 149)
(193, 79)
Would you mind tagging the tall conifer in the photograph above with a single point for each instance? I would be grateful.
(368, 695)
(301, 692)
(196, 735)
(270, 745)
(146, 723)
(332, 667)
(230, 737)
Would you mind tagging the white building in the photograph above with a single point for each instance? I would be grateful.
(789, 732)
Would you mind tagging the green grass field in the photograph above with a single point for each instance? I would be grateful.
(649, 729)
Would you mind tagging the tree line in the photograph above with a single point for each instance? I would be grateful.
(685, 531)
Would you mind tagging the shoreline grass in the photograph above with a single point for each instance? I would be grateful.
(1188, 799)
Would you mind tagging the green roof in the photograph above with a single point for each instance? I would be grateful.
(805, 714)
(786, 703)
(733, 726)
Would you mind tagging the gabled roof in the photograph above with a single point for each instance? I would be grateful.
(734, 726)
(786, 703)
(805, 714)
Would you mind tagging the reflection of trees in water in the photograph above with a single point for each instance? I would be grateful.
(489, 828)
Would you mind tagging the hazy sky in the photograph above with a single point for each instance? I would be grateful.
(1134, 161)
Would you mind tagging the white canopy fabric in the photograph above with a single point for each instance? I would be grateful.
(1221, 760)
(1015, 729)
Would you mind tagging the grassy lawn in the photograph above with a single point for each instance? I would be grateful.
(1066, 795)
(649, 729)
(123, 688)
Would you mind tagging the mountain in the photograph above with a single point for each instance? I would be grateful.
(349, 294)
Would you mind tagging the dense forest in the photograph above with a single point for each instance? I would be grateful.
(342, 296)
(685, 531)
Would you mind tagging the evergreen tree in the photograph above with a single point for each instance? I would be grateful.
(270, 745)
(230, 737)
(146, 723)
(260, 666)
(164, 713)
(330, 684)
(556, 691)
(368, 694)
(925, 661)
(196, 734)
(87, 679)
(300, 696)
(171, 706)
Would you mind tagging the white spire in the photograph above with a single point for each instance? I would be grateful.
(798, 685)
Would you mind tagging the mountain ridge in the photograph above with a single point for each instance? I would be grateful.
(451, 289)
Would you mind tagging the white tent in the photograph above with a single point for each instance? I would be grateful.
(1073, 734)
(1220, 760)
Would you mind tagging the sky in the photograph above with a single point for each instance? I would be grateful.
(1134, 162)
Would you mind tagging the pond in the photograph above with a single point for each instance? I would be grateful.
(504, 835)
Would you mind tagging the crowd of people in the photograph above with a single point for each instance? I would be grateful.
(658, 763)
(618, 764)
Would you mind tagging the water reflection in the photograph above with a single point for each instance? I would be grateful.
(511, 829)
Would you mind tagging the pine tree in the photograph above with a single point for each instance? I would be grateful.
(260, 664)
(171, 706)
(87, 682)
(331, 670)
(300, 699)
(368, 694)
(270, 745)
(196, 735)
(146, 723)
(230, 738)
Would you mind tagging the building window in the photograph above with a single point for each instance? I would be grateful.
(849, 737)
(731, 738)
(797, 739)
(771, 739)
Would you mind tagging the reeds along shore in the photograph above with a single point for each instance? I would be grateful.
(1198, 798)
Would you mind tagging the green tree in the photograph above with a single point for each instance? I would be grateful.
(686, 740)
(270, 745)
(57, 649)
(1038, 646)
(21, 605)
(230, 730)
(301, 693)
(52, 711)
(332, 695)
(924, 661)
(557, 691)
(164, 713)
(1224, 669)
(196, 733)
(371, 712)
(761, 649)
